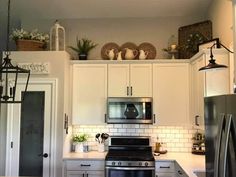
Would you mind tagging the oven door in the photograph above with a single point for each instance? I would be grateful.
(130, 172)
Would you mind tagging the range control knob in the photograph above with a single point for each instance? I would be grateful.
(113, 163)
(140, 163)
(129, 164)
(146, 164)
(119, 163)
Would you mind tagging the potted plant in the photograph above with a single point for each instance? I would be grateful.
(78, 141)
(30, 40)
(83, 47)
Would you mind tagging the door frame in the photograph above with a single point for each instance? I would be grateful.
(53, 82)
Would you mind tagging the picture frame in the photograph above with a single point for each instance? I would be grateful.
(209, 43)
(203, 29)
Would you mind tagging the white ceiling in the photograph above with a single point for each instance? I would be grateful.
(107, 8)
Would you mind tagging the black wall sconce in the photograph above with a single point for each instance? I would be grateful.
(212, 62)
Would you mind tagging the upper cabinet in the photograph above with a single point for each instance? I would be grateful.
(210, 83)
(171, 94)
(89, 93)
(130, 80)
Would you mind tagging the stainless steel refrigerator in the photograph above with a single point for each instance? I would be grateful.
(220, 134)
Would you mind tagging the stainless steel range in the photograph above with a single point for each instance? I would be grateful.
(130, 156)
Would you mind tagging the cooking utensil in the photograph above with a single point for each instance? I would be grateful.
(97, 137)
(104, 136)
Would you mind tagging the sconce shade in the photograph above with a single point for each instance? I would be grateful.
(212, 65)
(9, 81)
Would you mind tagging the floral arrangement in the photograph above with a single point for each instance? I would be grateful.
(193, 40)
(29, 35)
(80, 138)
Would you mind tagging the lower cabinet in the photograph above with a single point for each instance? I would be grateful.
(85, 174)
(169, 169)
(84, 168)
(165, 168)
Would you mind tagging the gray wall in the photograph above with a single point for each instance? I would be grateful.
(119, 30)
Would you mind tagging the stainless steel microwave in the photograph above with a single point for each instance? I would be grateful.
(130, 110)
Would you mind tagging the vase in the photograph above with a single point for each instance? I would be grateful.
(79, 147)
(29, 45)
(83, 56)
(101, 147)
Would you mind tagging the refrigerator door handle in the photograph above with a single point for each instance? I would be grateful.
(227, 129)
(218, 143)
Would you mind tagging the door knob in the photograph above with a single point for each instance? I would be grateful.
(45, 155)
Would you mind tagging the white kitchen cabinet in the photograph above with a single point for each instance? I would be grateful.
(84, 168)
(89, 93)
(208, 83)
(165, 169)
(171, 93)
(197, 92)
(130, 80)
(85, 174)
(179, 171)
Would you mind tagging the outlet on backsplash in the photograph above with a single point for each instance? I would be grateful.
(176, 139)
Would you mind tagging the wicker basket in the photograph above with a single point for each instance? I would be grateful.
(29, 45)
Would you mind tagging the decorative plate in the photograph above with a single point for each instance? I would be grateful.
(108, 46)
(129, 45)
(148, 47)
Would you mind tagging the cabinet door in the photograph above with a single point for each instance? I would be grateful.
(89, 93)
(118, 80)
(75, 174)
(141, 80)
(198, 91)
(171, 94)
(165, 175)
(95, 174)
(217, 81)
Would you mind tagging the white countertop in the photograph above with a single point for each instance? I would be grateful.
(189, 162)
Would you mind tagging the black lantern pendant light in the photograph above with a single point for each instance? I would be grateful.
(212, 62)
(10, 75)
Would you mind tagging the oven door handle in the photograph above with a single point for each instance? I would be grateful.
(130, 168)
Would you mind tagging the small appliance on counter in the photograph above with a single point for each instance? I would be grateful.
(160, 148)
(198, 144)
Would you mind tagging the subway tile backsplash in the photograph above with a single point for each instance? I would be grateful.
(175, 139)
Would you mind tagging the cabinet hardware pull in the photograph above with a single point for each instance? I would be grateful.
(127, 91)
(105, 116)
(85, 165)
(66, 123)
(196, 120)
(164, 166)
(154, 118)
(83, 174)
(180, 172)
(87, 174)
(131, 91)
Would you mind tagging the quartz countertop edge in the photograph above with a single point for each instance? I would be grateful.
(189, 162)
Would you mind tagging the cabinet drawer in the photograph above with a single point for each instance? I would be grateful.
(85, 165)
(165, 167)
(165, 174)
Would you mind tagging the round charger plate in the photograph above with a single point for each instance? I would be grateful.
(108, 46)
(129, 45)
(151, 49)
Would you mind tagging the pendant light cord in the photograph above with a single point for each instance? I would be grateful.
(8, 28)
